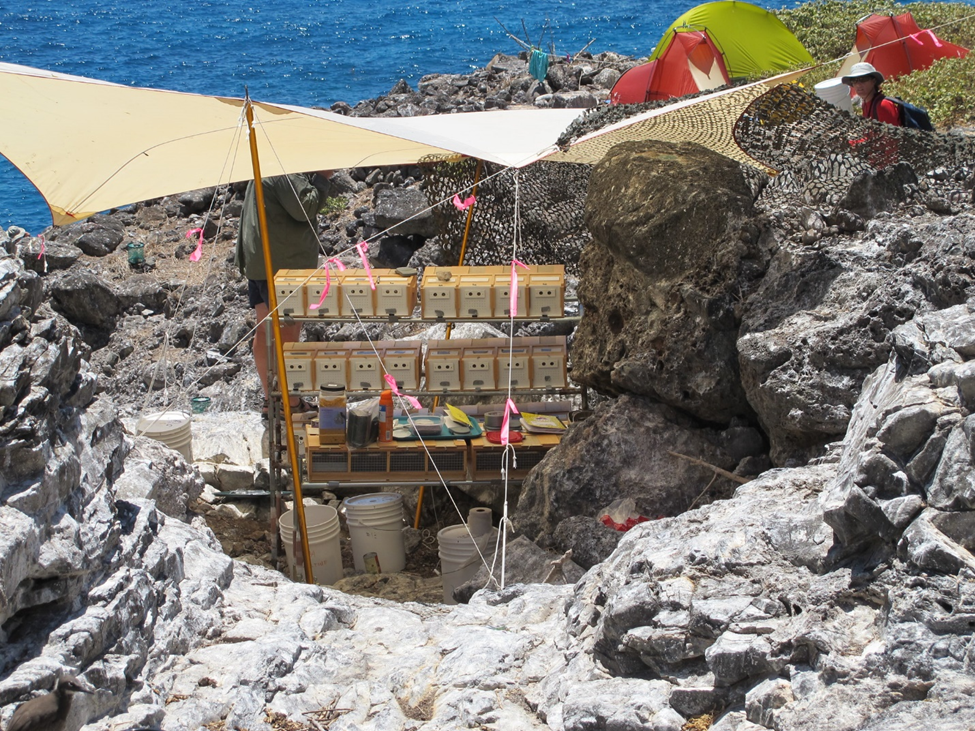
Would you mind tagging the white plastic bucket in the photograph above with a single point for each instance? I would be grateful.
(836, 93)
(456, 549)
(376, 526)
(322, 524)
(172, 428)
(479, 521)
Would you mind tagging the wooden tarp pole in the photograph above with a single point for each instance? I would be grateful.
(278, 345)
(463, 253)
(470, 216)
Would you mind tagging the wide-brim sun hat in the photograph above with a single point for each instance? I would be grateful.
(860, 71)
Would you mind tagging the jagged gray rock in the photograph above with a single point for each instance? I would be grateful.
(836, 595)
(623, 450)
(405, 211)
(84, 299)
(97, 236)
(909, 448)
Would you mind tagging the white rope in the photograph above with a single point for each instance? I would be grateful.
(167, 341)
(404, 404)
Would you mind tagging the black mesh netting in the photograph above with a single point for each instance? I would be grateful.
(820, 149)
(551, 202)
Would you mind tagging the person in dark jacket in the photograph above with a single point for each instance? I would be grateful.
(291, 203)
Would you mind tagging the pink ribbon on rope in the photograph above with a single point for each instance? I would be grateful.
(198, 252)
(926, 32)
(463, 205)
(43, 241)
(363, 248)
(509, 409)
(513, 293)
(328, 281)
(391, 382)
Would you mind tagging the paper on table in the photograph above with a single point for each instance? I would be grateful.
(458, 415)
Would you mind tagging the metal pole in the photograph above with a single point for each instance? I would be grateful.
(278, 346)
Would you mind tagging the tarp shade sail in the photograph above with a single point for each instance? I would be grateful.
(896, 46)
(752, 40)
(690, 63)
(90, 145)
(708, 120)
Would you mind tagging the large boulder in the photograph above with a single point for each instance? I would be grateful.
(84, 299)
(50, 256)
(672, 253)
(155, 472)
(404, 211)
(626, 449)
(97, 236)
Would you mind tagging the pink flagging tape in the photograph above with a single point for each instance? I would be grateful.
(513, 294)
(328, 281)
(919, 38)
(463, 205)
(198, 252)
(43, 246)
(395, 389)
(509, 409)
(363, 248)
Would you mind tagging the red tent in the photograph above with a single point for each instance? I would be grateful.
(690, 63)
(896, 46)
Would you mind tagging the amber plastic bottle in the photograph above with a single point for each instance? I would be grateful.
(386, 416)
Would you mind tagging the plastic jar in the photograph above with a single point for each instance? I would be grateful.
(331, 410)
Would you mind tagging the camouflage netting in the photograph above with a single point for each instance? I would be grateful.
(817, 148)
(551, 199)
(599, 117)
(821, 149)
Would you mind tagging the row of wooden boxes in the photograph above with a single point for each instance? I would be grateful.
(446, 293)
(455, 459)
(450, 365)
(485, 291)
(349, 292)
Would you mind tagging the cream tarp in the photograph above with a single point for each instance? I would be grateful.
(708, 120)
(90, 145)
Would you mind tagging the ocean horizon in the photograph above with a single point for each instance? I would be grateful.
(304, 52)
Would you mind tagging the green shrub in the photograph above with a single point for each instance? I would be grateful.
(333, 205)
(945, 90)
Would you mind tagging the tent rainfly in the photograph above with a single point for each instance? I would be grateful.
(896, 46)
(690, 63)
(752, 40)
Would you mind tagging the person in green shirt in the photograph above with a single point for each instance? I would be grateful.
(291, 205)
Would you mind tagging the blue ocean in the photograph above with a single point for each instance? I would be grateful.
(307, 52)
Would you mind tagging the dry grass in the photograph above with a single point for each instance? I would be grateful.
(699, 723)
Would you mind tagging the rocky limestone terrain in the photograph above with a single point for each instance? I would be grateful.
(834, 589)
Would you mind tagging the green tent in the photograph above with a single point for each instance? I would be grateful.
(753, 41)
